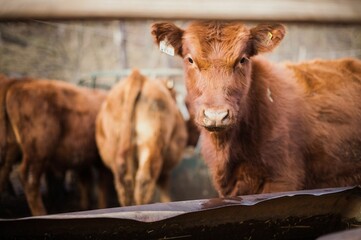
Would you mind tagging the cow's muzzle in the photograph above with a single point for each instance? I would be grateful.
(216, 119)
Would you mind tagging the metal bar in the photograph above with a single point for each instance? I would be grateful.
(122, 73)
(292, 215)
(158, 72)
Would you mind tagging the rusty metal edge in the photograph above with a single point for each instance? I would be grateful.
(161, 211)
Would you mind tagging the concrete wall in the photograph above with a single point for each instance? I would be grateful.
(71, 50)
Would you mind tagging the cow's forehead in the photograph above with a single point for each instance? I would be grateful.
(216, 40)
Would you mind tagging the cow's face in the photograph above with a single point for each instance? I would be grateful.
(218, 65)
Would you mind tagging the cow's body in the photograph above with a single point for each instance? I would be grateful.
(267, 127)
(333, 105)
(53, 124)
(141, 136)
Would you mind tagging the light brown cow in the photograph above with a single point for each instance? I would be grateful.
(267, 127)
(141, 136)
(52, 123)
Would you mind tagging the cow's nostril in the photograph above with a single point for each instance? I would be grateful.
(215, 119)
(223, 115)
(216, 115)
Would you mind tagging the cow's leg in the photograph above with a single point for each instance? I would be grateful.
(104, 184)
(30, 176)
(56, 193)
(85, 184)
(163, 183)
(8, 158)
(124, 182)
(5, 168)
(150, 164)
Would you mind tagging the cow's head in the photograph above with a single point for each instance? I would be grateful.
(217, 61)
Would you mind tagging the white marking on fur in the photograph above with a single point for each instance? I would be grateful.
(269, 95)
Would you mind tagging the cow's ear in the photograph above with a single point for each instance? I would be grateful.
(170, 34)
(265, 37)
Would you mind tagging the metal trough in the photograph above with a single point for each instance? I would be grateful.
(290, 215)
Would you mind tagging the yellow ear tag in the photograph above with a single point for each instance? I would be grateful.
(269, 38)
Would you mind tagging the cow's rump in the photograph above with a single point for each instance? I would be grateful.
(141, 136)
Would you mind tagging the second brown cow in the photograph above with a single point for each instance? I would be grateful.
(52, 125)
(141, 136)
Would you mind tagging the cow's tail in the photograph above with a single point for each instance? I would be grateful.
(130, 95)
(5, 128)
(4, 82)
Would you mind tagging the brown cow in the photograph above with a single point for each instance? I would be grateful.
(141, 136)
(53, 124)
(267, 127)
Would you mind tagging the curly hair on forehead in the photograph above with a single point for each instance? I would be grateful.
(212, 40)
(217, 30)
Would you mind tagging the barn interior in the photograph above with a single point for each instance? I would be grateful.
(97, 47)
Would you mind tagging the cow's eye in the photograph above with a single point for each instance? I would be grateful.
(190, 60)
(243, 60)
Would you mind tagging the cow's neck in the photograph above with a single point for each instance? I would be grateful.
(222, 150)
(262, 106)
(257, 111)
(224, 156)
(240, 145)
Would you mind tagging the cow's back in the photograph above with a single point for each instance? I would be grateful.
(321, 76)
(332, 93)
(55, 118)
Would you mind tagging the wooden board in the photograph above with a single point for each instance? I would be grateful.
(325, 11)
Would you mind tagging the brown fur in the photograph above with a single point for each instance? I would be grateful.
(9, 149)
(53, 124)
(267, 127)
(141, 136)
